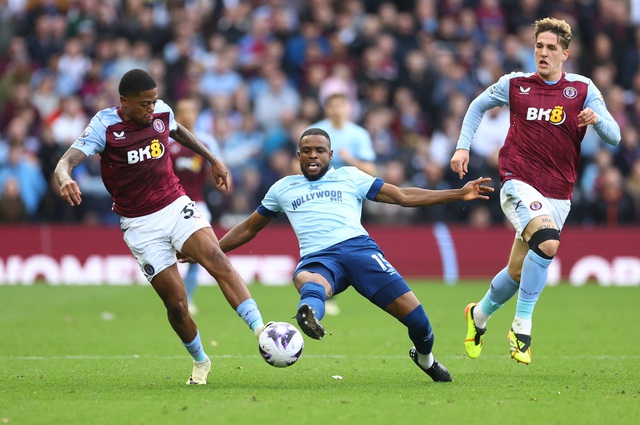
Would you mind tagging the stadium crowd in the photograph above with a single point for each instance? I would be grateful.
(261, 70)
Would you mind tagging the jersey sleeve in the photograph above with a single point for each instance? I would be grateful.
(366, 185)
(93, 139)
(270, 205)
(606, 127)
(495, 95)
(161, 106)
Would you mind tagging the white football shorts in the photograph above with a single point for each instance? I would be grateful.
(154, 239)
(521, 203)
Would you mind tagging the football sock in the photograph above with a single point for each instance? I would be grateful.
(195, 348)
(250, 313)
(420, 333)
(535, 270)
(191, 281)
(502, 288)
(426, 360)
(314, 295)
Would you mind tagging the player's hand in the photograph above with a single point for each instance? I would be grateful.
(587, 117)
(70, 192)
(460, 161)
(476, 190)
(221, 176)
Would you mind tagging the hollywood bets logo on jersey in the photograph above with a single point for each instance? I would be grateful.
(555, 116)
(154, 151)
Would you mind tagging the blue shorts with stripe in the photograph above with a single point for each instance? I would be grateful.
(357, 262)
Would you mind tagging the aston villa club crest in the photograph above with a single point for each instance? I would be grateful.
(158, 125)
(570, 92)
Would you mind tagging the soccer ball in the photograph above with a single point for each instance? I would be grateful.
(280, 344)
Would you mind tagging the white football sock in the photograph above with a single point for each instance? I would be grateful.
(426, 360)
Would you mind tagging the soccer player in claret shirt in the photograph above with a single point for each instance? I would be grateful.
(550, 111)
(157, 219)
(324, 206)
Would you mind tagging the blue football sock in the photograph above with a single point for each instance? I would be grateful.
(502, 288)
(191, 281)
(314, 295)
(250, 313)
(420, 331)
(195, 348)
(535, 270)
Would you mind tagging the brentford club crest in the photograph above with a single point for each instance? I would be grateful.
(570, 92)
(158, 125)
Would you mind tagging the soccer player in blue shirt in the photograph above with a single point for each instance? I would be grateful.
(324, 206)
(538, 164)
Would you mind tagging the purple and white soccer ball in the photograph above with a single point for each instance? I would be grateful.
(280, 344)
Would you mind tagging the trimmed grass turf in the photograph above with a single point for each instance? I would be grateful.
(106, 355)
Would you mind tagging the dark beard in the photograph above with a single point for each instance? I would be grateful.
(315, 177)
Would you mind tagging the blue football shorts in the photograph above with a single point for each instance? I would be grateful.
(357, 262)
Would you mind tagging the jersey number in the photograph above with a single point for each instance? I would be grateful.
(382, 262)
(189, 210)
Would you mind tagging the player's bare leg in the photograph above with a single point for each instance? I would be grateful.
(203, 247)
(168, 285)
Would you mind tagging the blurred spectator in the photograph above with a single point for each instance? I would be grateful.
(278, 92)
(17, 133)
(20, 105)
(351, 144)
(253, 46)
(44, 96)
(69, 122)
(221, 78)
(409, 121)
(12, 209)
(44, 40)
(74, 65)
(628, 151)
(613, 206)
(25, 171)
(377, 122)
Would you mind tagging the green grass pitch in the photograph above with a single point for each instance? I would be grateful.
(106, 355)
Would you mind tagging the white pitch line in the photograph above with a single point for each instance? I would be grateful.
(312, 356)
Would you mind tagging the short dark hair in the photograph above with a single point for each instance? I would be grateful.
(135, 81)
(314, 131)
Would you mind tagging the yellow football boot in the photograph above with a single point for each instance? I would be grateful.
(473, 342)
(519, 347)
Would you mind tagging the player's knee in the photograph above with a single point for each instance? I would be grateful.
(177, 309)
(545, 242)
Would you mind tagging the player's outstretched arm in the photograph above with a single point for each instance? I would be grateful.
(243, 232)
(69, 189)
(417, 197)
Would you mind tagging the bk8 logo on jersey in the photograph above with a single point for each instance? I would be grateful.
(555, 116)
(154, 151)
